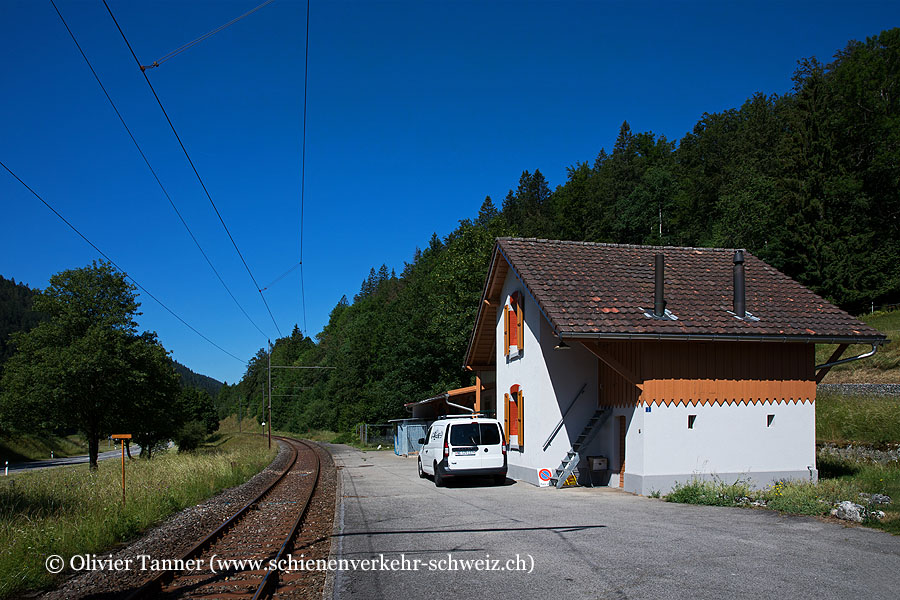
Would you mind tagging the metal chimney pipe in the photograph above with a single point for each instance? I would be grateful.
(740, 304)
(659, 301)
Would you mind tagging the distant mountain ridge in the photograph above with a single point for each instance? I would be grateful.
(196, 380)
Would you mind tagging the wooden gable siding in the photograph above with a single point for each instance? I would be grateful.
(709, 372)
(615, 390)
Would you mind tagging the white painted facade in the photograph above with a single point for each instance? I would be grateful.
(730, 441)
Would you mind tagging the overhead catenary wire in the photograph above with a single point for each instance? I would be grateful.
(194, 168)
(113, 263)
(209, 34)
(282, 276)
(152, 171)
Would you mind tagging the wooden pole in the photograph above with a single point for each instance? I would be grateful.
(122, 437)
(123, 472)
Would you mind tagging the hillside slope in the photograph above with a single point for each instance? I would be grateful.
(884, 367)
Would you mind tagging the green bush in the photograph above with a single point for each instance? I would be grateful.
(710, 492)
(190, 436)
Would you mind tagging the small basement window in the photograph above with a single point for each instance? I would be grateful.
(691, 419)
(769, 420)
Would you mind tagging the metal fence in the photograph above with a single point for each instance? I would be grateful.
(372, 434)
(407, 436)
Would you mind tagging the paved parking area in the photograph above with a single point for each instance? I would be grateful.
(585, 543)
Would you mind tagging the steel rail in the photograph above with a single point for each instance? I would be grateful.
(270, 580)
(154, 586)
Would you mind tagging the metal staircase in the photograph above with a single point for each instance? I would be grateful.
(574, 455)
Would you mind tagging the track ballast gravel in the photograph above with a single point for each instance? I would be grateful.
(179, 533)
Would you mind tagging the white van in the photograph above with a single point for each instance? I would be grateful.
(464, 445)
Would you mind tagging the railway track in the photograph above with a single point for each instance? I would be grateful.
(234, 560)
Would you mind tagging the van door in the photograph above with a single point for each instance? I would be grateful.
(491, 450)
(433, 447)
(465, 442)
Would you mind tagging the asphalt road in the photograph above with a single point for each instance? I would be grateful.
(70, 460)
(586, 543)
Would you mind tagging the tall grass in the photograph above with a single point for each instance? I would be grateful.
(845, 419)
(70, 510)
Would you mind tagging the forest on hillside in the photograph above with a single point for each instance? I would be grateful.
(16, 314)
(808, 181)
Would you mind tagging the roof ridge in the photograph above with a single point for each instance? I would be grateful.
(610, 245)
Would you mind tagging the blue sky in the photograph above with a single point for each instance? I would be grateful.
(416, 112)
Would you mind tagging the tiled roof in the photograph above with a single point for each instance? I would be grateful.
(587, 289)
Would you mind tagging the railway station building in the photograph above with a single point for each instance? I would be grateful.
(640, 366)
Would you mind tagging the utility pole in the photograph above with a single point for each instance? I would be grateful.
(270, 393)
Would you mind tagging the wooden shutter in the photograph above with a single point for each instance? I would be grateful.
(506, 329)
(506, 417)
(521, 418)
(520, 321)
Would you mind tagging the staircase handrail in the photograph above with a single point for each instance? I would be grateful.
(563, 419)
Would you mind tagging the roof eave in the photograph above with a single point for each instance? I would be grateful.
(719, 337)
(470, 349)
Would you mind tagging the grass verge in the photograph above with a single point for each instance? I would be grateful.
(884, 367)
(69, 510)
(844, 419)
(21, 448)
(803, 497)
(862, 421)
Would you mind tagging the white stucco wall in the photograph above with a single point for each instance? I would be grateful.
(545, 396)
(728, 442)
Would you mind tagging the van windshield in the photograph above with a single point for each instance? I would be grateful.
(474, 434)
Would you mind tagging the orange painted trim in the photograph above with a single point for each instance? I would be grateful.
(729, 401)
(477, 392)
(520, 321)
(622, 432)
(506, 329)
(506, 417)
(472, 389)
(521, 418)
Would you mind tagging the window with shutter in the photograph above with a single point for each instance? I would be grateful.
(514, 415)
(513, 324)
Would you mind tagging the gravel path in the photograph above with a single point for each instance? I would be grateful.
(867, 389)
(861, 453)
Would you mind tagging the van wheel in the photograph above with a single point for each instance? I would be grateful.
(438, 477)
(421, 471)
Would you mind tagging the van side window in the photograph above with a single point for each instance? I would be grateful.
(490, 434)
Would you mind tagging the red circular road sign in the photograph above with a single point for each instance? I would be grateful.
(544, 474)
